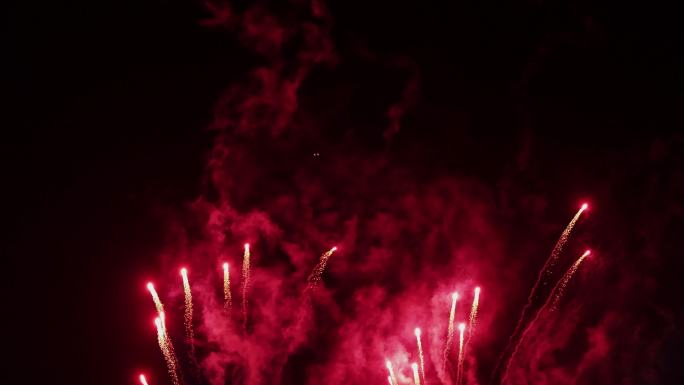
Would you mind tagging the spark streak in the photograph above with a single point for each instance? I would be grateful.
(188, 309)
(544, 274)
(155, 298)
(227, 299)
(473, 312)
(392, 377)
(143, 380)
(416, 377)
(550, 304)
(450, 329)
(163, 340)
(420, 355)
(315, 277)
(459, 372)
(558, 290)
(245, 284)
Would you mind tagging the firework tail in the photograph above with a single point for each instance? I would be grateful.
(189, 334)
(450, 330)
(315, 277)
(392, 376)
(544, 274)
(245, 284)
(227, 298)
(143, 380)
(459, 370)
(164, 346)
(420, 355)
(416, 376)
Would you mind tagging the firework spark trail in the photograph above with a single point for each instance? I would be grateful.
(545, 272)
(392, 376)
(245, 284)
(143, 380)
(163, 340)
(558, 290)
(315, 277)
(550, 304)
(450, 329)
(420, 355)
(473, 312)
(155, 298)
(416, 377)
(389, 379)
(459, 370)
(227, 299)
(189, 334)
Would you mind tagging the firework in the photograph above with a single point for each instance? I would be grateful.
(143, 380)
(392, 377)
(558, 290)
(165, 348)
(188, 308)
(420, 355)
(416, 377)
(315, 277)
(245, 284)
(459, 370)
(542, 278)
(227, 299)
(155, 298)
(550, 304)
(450, 328)
(473, 312)
(389, 379)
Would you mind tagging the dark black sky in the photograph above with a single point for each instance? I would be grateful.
(108, 101)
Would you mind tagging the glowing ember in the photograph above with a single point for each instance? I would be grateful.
(227, 299)
(143, 380)
(416, 377)
(245, 284)
(315, 277)
(188, 309)
(155, 298)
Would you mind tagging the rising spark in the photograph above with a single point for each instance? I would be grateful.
(227, 299)
(558, 290)
(392, 376)
(315, 277)
(459, 372)
(389, 379)
(416, 377)
(245, 284)
(450, 329)
(188, 310)
(155, 298)
(420, 355)
(473, 312)
(143, 380)
(163, 340)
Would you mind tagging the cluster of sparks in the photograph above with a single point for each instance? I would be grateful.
(417, 368)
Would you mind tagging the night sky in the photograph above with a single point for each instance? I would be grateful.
(500, 118)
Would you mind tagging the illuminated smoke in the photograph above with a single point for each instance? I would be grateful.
(227, 299)
(315, 277)
(143, 380)
(189, 334)
(155, 298)
(416, 377)
(420, 355)
(245, 284)
(165, 348)
(544, 274)
(392, 377)
(459, 370)
(450, 329)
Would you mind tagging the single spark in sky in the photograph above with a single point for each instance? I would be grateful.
(143, 380)
(420, 355)
(315, 277)
(450, 329)
(227, 299)
(155, 298)
(189, 334)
